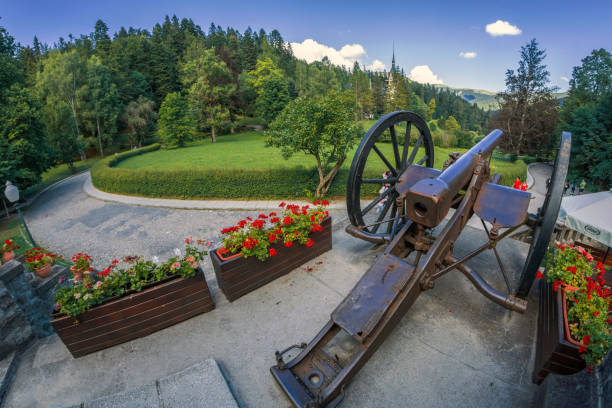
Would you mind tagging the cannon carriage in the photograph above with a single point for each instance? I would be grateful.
(412, 199)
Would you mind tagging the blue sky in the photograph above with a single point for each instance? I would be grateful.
(429, 35)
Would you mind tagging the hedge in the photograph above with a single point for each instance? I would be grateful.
(298, 182)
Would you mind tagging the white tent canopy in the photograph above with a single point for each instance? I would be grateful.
(589, 214)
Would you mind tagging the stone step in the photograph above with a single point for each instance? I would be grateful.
(202, 385)
(8, 367)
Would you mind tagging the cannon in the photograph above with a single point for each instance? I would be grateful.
(418, 212)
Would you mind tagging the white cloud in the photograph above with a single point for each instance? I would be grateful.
(468, 55)
(377, 65)
(566, 79)
(310, 51)
(500, 27)
(423, 74)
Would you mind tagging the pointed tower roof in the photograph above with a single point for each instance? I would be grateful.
(393, 59)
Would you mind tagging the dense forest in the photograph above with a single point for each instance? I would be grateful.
(99, 93)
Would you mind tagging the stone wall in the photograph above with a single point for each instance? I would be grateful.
(26, 302)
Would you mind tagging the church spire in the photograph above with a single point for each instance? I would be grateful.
(393, 59)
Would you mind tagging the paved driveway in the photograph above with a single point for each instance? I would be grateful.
(453, 348)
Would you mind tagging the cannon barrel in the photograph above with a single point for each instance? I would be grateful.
(428, 200)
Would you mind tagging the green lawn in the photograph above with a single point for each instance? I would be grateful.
(248, 151)
(240, 166)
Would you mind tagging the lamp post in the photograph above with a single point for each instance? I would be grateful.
(12, 194)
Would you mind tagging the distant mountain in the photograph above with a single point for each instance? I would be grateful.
(486, 99)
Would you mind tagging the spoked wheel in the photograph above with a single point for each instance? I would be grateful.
(546, 216)
(386, 151)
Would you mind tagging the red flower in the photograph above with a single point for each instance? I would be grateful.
(586, 339)
(257, 224)
(278, 231)
(316, 202)
(272, 237)
(595, 313)
(262, 216)
(249, 243)
(288, 244)
(325, 202)
(600, 266)
(309, 243)
(188, 240)
(556, 284)
(282, 204)
(609, 321)
(272, 214)
(287, 220)
(539, 274)
(582, 349)
(571, 269)
(274, 220)
(249, 218)
(272, 252)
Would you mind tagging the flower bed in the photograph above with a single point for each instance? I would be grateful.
(574, 329)
(126, 303)
(259, 251)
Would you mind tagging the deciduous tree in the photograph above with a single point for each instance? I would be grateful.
(176, 124)
(323, 127)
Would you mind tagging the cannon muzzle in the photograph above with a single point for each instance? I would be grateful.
(428, 200)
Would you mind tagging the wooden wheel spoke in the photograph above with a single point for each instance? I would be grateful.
(382, 214)
(376, 201)
(384, 159)
(422, 160)
(406, 144)
(416, 149)
(395, 147)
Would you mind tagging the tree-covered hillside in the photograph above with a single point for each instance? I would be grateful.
(101, 91)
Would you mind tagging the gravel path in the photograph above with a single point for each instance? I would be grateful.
(66, 220)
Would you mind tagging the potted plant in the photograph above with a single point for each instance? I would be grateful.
(257, 251)
(81, 265)
(574, 329)
(8, 250)
(40, 261)
(130, 299)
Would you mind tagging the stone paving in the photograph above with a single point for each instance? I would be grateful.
(453, 348)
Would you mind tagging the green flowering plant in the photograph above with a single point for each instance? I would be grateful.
(573, 269)
(74, 297)
(254, 237)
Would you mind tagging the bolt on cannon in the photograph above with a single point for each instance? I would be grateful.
(413, 200)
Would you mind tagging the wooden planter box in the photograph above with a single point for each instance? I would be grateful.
(134, 315)
(556, 351)
(238, 276)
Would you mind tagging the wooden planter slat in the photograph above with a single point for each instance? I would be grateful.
(129, 320)
(238, 276)
(134, 315)
(554, 353)
(140, 325)
(130, 310)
